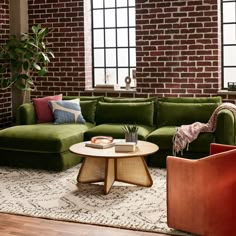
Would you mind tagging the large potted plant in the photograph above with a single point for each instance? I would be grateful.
(23, 59)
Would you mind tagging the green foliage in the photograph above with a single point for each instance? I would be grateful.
(23, 58)
(130, 128)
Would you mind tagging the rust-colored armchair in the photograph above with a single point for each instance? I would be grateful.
(201, 194)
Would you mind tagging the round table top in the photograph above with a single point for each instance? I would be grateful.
(143, 148)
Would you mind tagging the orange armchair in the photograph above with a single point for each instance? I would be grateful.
(201, 194)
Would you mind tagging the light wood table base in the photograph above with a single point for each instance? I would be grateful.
(132, 170)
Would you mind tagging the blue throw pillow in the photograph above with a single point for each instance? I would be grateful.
(67, 111)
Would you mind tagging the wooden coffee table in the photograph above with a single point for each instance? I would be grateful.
(109, 166)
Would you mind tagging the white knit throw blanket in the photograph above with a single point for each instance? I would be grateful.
(185, 134)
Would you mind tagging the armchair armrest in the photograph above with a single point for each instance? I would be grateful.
(225, 127)
(26, 114)
(217, 148)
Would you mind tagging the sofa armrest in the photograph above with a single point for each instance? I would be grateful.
(26, 114)
(225, 128)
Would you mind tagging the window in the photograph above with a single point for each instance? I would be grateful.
(113, 41)
(228, 42)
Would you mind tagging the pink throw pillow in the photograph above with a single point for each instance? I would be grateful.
(43, 111)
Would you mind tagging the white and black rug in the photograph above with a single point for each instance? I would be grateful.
(58, 196)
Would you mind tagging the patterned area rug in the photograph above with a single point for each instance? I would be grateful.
(58, 196)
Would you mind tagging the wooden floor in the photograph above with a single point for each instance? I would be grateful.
(29, 226)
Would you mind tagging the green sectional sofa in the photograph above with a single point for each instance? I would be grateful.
(46, 145)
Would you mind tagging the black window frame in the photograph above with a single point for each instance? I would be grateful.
(223, 45)
(129, 67)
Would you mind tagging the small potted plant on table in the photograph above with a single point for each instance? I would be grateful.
(131, 133)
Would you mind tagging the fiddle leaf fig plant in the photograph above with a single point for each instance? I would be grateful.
(24, 58)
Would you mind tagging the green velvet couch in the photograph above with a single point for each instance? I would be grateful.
(46, 146)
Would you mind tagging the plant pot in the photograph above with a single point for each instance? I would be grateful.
(131, 137)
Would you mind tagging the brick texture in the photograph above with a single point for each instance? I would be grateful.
(5, 95)
(177, 47)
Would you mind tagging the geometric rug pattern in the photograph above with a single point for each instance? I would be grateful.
(58, 196)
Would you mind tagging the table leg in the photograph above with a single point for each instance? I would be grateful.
(92, 170)
(110, 175)
(134, 171)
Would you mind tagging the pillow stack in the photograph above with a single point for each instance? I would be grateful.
(53, 109)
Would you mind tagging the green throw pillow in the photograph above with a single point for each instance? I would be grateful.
(125, 113)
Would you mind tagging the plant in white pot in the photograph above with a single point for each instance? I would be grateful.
(23, 59)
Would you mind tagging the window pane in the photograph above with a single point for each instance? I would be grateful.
(98, 38)
(132, 17)
(132, 37)
(230, 55)
(111, 57)
(111, 76)
(98, 57)
(110, 38)
(98, 18)
(122, 73)
(132, 57)
(109, 3)
(122, 37)
(121, 3)
(229, 34)
(97, 3)
(229, 76)
(122, 17)
(229, 12)
(99, 76)
(122, 57)
(110, 18)
(131, 2)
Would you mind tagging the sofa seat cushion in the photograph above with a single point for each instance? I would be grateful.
(163, 137)
(45, 137)
(115, 130)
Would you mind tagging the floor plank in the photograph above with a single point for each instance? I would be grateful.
(14, 225)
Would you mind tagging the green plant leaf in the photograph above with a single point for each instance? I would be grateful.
(4, 83)
(45, 57)
(25, 65)
(42, 72)
(36, 66)
(52, 54)
(30, 82)
(22, 76)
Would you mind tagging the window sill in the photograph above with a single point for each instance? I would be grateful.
(226, 92)
(133, 90)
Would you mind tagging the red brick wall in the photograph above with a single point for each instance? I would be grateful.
(67, 70)
(177, 47)
(5, 95)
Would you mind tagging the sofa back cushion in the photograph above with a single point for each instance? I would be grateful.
(215, 99)
(125, 113)
(88, 109)
(177, 114)
(128, 100)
